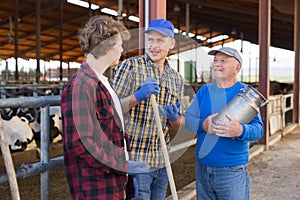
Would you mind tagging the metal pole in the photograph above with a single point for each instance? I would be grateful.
(61, 21)
(38, 39)
(297, 62)
(16, 38)
(31, 102)
(187, 18)
(45, 177)
(249, 68)
(120, 9)
(178, 42)
(141, 26)
(264, 44)
(147, 19)
(147, 13)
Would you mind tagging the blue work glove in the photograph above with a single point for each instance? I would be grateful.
(149, 86)
(135, 167)
(171, 111)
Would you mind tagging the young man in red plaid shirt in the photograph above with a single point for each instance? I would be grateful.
(94, 139)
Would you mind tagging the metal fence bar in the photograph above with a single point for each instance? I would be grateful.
(45, 155)
(30, 102)
(33, 102)
(27, 89)
(27, 170)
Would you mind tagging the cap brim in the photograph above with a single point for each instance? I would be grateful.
(163, 31)
(213, 52)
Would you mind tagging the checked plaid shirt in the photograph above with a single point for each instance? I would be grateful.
(140, 124)
(93, 140)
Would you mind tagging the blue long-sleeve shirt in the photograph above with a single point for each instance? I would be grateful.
(213, 150)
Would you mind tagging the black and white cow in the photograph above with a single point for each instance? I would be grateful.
(18, 131)
(55, 125)
(23, 125)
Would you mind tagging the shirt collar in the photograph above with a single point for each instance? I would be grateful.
(101, 77)
(150, 63)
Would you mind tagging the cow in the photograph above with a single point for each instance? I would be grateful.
(18, 131)
(55, 125)
(24, 123)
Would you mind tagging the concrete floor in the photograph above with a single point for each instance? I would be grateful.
(274, 173)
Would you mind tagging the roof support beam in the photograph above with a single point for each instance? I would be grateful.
(187, 19)
(141, 26)
(61, 21)
(297, 62)
(38, 45)
(264, 31)
(16, 38)
(156, 9)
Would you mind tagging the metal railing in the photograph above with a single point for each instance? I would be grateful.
(279, 105)
(45, 163)
(16, 90)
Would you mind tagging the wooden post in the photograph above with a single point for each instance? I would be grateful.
(9, 164)
(164, 147)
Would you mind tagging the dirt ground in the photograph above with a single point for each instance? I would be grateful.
(274, 174)
(183, 171)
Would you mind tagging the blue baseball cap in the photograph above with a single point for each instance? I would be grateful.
(162, 26)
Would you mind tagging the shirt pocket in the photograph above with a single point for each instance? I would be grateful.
(105, 116)
(105, 112)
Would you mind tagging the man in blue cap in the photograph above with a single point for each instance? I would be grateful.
(135, 79)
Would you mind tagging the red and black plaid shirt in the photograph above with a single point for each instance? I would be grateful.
(93, 140)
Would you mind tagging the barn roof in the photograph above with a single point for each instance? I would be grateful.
(60, 21)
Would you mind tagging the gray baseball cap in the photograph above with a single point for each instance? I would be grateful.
(228, 51)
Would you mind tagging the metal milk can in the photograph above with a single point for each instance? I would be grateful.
(243, 107)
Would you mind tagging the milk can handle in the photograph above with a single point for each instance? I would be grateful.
(264, 103)
(243, 89)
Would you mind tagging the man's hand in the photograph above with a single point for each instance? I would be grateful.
(149, 87)
(135, 167)
(171, 111)
(207, 124)
(230, 129)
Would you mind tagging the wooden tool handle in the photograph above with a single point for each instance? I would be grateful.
(164, 147)
(14, 189)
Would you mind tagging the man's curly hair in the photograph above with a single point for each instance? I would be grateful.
(99, 34)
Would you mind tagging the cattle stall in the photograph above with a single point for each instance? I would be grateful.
(279, 105)
(45, 163)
